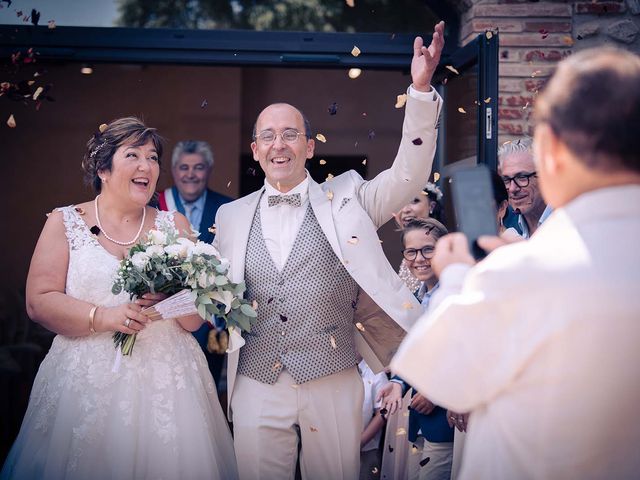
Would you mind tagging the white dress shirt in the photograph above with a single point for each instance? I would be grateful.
(281, 223)
(373, 383)
(542, 345)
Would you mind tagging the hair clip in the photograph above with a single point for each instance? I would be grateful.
(96, 150)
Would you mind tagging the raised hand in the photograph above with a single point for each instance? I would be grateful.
(425, 59)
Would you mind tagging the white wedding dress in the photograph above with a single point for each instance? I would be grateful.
(158, 417)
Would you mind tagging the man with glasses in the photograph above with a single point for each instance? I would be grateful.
(305, 251)
(515, 166)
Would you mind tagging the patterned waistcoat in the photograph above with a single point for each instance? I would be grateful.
(305, 311)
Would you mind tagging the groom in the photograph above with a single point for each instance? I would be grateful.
(310, 257)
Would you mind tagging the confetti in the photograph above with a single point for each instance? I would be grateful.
(525, 106)
(37, 93)
(276, 366)
(251, 171)
(204, 103)
(364, 162)
(254, 304)
(229, 184)
(333, 108)
(329, 177)
(537, 72)
(487, 100)
(401, 100)
(353, 240)
(329, 194)
(11, 122)
(80, 210)
(86, 70)
(355, 51)
(51, 24)
(333, 342)
(103, 127)
(212, 229)
(350, 3)
(414, 449)
(407, 306)
(436, 176)
(462, 110)
(544, 33)
(507, 142)
(270, 300)
(400, 431)
(390, 447)
(364, 114)
(313, 429)
(567, 40)
(489, 35)
(417, 141)
(424, 461)
(374, 470)
(451, 68)
(445, 80)
(323, 161)
(283, 318)
(371, 134)
(354, 73)
(321, 138)
(359, 326)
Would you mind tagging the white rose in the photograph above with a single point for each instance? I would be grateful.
(176, 250)
(155, 250)
(187, 244)
(224, 265)
(140, 260)
(157, 237)
(203, 280)
(202, 248)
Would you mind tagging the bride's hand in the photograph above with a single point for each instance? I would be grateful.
(125, 318)
(150, 299)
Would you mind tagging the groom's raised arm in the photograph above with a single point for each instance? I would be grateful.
(391, 189)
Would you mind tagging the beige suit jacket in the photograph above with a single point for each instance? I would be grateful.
(348, 206)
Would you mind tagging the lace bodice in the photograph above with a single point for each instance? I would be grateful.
(91, 268)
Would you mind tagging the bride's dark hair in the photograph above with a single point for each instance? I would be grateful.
(103, 145)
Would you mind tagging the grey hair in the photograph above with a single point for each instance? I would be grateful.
(192, 146)
(524, 144)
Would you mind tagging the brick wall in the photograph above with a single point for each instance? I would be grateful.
(534, 36)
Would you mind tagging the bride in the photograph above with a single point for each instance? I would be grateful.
(158, 416)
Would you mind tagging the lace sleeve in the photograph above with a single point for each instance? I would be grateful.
(165, 221)
(75, 228)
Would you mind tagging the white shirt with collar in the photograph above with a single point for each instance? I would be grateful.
(281, 223)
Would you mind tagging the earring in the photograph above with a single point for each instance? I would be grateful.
(103, 180)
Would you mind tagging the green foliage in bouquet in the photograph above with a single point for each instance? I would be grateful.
(167, 263)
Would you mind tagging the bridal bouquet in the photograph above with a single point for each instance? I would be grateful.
(194, 276)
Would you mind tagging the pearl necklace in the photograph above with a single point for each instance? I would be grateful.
(124, 244)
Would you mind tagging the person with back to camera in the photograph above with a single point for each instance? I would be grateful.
(546, 332)
(158, 416)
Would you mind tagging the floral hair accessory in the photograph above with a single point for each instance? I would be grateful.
(97, 149)
(434, 189)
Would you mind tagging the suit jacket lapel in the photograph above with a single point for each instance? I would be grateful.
(321, 205)
(240, 238)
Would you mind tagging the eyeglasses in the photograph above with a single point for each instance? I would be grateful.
(288, 136)
(521, 179)
(410, 254)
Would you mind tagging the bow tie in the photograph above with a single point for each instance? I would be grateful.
(293, 200)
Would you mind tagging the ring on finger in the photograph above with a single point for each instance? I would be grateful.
(127, 322)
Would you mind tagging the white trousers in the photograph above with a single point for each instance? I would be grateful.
(438, 467)
(328, 413)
